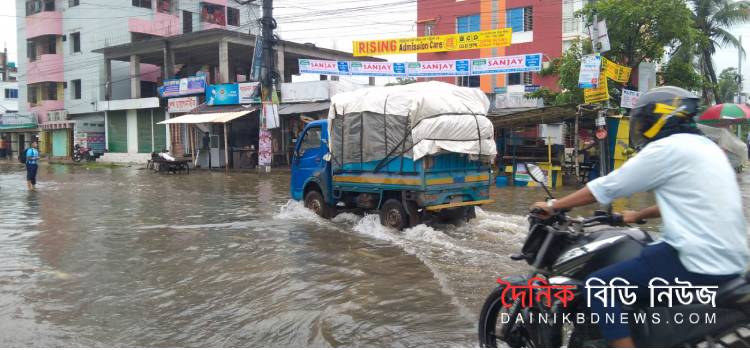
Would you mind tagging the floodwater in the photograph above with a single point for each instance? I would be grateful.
(122, 257)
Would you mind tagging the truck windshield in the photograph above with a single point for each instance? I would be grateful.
(311, 140)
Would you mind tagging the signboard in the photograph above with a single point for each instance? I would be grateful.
(92, 140)
(438, 43)
(182, 104)
(17, 121)
(531, 88)
(249, 93)
(598, 94)
(271, 115)
(629, 98)
(222, 94)
(603, 37)
(448, 68)
(507, 64)
(616, 72)
(257, 58)
(377, 69)
(588, 78)
(182, 87)
(265, 148)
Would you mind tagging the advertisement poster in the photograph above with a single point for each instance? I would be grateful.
(322, 67)
(437, 43)
(507, 64)
(182, 87)
(92, 140)
(588, 78)
(182, 104)
(249, 92)
(265, 148)
(438, 68)
(616, 72)
(222, 94)
(271, 115)
(598, 94)
(629, 98)
(377, 69)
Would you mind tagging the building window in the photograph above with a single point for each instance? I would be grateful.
(76, 93)
(51, 45)
(74, 3)
(31, 51)
(11, 94)
(524, 78)
(36, 6)
(213, 14)
(429, 29)
(31, 94)
(468, 24)
(51, 92)
(520, 19)
(142, 3)
(165, 6)
(233, 16)
(470, 81)
(75, 42)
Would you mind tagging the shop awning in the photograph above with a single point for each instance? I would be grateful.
(297, 108)
(223, 117)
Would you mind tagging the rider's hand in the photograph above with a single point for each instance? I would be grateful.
(630, 217)
(541, 210)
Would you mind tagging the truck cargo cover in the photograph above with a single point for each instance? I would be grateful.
(433, 116)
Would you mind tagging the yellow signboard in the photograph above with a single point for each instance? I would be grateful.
(599, 94)
(616, 72)
(438, 43)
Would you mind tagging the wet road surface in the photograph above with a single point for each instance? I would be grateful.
(121, 257)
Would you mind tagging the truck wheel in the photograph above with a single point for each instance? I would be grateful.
(315, 202)
(393, 215)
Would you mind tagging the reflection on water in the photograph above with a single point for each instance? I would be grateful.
(122, 257)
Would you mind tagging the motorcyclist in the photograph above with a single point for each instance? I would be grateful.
(704, 235)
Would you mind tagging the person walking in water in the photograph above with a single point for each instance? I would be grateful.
(32, 164)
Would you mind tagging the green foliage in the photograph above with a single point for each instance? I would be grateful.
(640, 30)
(727, 86)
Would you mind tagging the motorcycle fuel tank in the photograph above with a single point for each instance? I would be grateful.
(600, 248)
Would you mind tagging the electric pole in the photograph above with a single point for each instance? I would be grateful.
(269, 24)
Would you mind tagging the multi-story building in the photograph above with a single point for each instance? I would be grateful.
(545, 27)
(62, 82)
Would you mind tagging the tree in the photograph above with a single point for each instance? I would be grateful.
(566, 68)
(712, 18)
(640, 30)
(727, 87)
(683, 67)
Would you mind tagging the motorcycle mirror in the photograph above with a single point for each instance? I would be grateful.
(536, 173)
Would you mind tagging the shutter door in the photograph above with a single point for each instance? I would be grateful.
(144, 131)
(160, 131)
(60, 143)
(118, 132)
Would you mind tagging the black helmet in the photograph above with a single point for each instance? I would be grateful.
(662, 112)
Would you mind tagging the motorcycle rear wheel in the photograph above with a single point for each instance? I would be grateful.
(77, 157)
(521, 336)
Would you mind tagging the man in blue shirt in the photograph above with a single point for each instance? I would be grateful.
(704, 235)
(32, 164)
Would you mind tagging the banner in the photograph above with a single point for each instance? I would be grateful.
(222, 94)
(588, 78)
(265, 148)
(507, 64)
(249, 93)
(629, 98)
(448, 68)
(616, 72)
(182, 104)
(438, 43)
(182, 87)
(598, 94)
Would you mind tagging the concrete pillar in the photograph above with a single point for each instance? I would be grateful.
(223, 62)
(168, 67)
(132, 125)
(280, 63)
(135, 76)
(107, 80)
(371, 81)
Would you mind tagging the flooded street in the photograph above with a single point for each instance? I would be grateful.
(125, 258)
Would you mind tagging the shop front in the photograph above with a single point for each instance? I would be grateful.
(18, 130)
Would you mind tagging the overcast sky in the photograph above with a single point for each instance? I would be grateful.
(335, 23)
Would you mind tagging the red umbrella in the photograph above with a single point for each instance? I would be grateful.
(725, 114)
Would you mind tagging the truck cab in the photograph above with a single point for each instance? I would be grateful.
(311, 172)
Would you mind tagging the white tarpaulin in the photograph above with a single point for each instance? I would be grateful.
(431, 116)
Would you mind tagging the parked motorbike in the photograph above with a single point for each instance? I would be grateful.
(81, 153)
(563, 251)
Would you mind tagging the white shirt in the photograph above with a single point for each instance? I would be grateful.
(698, 197)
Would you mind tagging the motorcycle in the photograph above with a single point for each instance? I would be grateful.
(563, 251)
(81, 153)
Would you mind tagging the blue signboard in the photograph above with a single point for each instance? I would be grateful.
(223, 94)
(183, 87)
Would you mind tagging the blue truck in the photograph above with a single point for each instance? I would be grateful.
(382, 161)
